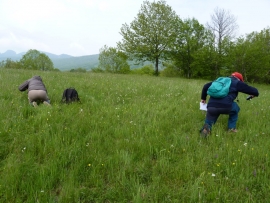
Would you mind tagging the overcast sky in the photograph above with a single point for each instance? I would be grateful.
(82, 27)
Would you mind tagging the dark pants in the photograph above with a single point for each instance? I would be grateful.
(213, 114)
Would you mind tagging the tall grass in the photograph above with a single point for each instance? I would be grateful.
(132, 139)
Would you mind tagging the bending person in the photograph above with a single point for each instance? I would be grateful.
(37, 91)
(226, 105)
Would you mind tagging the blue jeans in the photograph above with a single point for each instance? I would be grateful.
(213, 114)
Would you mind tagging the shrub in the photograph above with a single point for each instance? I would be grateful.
(170, 71)
(145, 70)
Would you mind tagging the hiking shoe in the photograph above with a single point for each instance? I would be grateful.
(205, 131)
(232, 130)
(46, 103)
(34, 104)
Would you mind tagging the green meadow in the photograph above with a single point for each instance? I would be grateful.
(131, 139)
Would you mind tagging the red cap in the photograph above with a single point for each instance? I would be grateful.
(238, 75)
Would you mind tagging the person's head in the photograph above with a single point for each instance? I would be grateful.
(238, 76)
(37, 77)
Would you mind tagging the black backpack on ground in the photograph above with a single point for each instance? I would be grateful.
(70, 95)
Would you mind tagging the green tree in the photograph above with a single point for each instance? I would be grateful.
(170, 70)
(191, 38)
(8, 63)
(35, 60)
(151, 34)
(112, 60)
(251, 56)
(207, 58)
(44, 62)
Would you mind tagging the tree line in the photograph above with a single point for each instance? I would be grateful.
(186, 48)
(32, 60)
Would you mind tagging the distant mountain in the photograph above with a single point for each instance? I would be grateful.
(62, 62)
(66, 62)
(8, 53)
(87, 62)
(12, 55)
(54, 56)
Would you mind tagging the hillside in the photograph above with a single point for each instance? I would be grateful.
(87, 62)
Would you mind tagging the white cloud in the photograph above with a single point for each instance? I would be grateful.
(22, 44)
(104, 5)
(78, 47)
(32, 13)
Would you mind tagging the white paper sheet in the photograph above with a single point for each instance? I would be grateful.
(203, 106)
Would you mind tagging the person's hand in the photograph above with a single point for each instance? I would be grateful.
(250, 97)
(203, 101)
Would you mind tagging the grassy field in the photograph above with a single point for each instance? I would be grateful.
(132, 139)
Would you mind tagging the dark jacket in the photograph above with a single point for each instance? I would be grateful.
(226, 102)
(35, 83)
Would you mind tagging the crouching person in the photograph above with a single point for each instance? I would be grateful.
(37, 91)
(225, 105)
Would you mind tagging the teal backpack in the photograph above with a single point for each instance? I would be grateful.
(220, 87)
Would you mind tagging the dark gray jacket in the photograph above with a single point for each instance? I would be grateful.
(35, 83)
